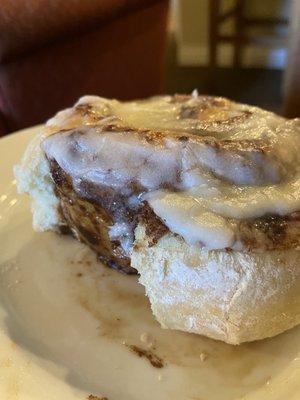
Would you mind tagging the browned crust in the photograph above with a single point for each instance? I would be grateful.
(155, 228)
(90, 218)
(205, 106)
(91, 214)
(271, 232)
(89, 221)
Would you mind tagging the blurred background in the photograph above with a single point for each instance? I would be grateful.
(230, 48)
(53, 51)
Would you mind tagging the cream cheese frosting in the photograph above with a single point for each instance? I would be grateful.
(198, 161)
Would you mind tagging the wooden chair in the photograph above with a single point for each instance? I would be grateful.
(240, 38)
(291, 92)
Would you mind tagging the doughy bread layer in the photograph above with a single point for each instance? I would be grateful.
(226, 295)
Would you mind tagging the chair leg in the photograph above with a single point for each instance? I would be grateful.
(214, 6)
(291, 95)
(239, 34)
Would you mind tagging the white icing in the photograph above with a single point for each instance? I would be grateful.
(195, 93)
(113, 159)
(122, 232)
(253, 173)
(191, 219)
(201, 213)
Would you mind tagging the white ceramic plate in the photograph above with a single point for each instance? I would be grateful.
(68, 326)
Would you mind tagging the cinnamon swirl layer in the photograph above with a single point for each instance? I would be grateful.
(220, 174)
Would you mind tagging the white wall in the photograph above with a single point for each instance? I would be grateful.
(190, 25)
